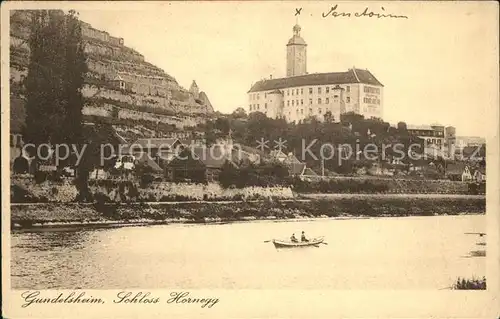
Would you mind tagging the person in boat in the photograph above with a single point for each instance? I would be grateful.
(293, 239)
(303, 238)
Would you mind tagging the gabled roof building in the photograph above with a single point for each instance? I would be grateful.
(300, 95)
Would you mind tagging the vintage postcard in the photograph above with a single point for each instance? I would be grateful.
(250, 159)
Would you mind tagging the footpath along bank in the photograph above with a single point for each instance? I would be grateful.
(60, 214)
(122, 202)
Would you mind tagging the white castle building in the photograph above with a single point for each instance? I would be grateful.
(300, 95)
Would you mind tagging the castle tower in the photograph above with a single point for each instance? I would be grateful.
(194, 90)
(296, 54)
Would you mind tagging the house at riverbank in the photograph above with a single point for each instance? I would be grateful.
(458, 172)
(198, 164)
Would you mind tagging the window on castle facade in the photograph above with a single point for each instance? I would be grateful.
(310, 90)
(293, 91)
(288, 103)
(310, 101)
(301, 102)
(327, 90)
(301, 91)
(265, 105)
(319, 111)
(287, 92)
(348, 100)
(319, 101)
(319, 90)
(327, 100)
(297, 102)
(293, 102)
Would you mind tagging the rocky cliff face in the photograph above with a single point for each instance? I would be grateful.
(117, 75)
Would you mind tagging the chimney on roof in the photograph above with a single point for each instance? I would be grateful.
(270, 76)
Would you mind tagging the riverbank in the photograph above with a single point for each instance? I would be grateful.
(26, 216)
(24, 189)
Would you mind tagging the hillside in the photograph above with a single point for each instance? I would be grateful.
(121, 87)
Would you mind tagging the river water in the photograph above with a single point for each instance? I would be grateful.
(377, 253)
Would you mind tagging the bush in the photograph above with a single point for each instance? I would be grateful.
(146, 180)
(377, 185)
(40, 177)
(470, 284)
(264, 175)
(20, 195)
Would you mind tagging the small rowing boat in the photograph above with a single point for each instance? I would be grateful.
(288, 244)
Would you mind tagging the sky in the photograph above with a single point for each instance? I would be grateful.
(438, 66)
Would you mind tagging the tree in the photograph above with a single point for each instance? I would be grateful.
(329, 117)
(239, 113)
(402, 128)
(75, 68)
(351, 117)
(73, 78)
(222, 124)
(44, 114)
(55, 77)
(229, 175)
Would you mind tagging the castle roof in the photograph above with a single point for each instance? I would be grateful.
(277, 91)
(351, 76)
(157, 142)
(419, 127)
(296, 39)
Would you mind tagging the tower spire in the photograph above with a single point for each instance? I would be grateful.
(296, 53)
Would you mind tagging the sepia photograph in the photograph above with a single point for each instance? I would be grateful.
(256, 146)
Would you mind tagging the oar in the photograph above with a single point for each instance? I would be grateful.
(324, 243)
(266, 241)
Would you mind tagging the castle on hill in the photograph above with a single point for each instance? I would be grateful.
(300, 95)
